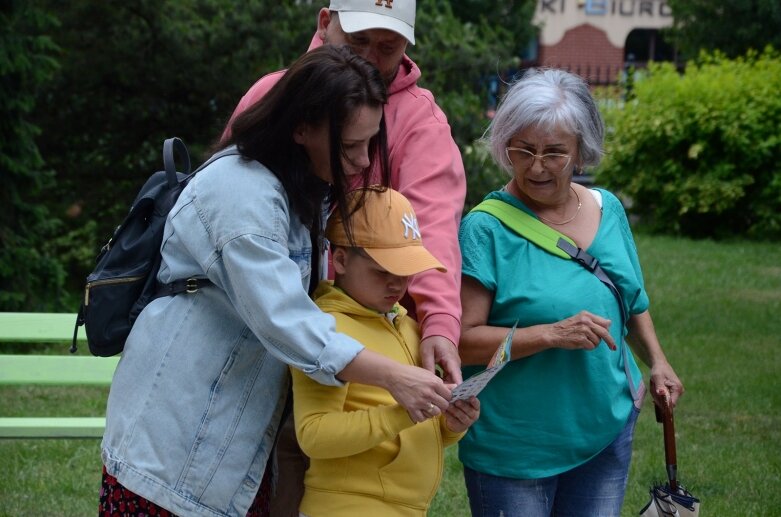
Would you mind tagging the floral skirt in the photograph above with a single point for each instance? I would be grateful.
(118, 501)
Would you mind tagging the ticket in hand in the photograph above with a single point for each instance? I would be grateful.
(475, 384)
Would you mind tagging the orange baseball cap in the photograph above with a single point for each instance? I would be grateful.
(387, 230)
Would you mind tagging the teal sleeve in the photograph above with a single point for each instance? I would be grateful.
(635, 297)
(476, 238)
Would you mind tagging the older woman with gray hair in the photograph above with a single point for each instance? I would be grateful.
(555, 433)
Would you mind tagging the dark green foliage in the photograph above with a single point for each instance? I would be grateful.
(511, 16)
(460, 45)
(698, 153)
(31, 277)
(133, 73)
(733, 27)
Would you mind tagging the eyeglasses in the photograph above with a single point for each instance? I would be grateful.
(554, 162)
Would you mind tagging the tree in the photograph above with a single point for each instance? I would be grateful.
(732, 27)
(133, 73)
(511, 16)
(459, 46)
(31, 278)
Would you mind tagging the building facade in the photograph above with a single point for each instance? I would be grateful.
(598, 39)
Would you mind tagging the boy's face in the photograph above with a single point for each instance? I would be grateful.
(365, 281)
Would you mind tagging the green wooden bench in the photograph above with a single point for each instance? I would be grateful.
(50, 370)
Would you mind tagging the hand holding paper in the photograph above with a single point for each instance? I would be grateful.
(475, 384)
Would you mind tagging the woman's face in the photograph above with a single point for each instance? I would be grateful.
(543, 184)
(356, 135)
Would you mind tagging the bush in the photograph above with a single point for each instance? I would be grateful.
(31, 277)
(697, 153)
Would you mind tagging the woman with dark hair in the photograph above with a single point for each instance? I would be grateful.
(202, 384)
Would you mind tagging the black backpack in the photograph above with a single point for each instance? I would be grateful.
(124, 280)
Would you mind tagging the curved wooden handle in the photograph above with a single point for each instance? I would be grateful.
(664, 415)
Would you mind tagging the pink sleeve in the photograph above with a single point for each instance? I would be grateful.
(253, 95)
(427, 169)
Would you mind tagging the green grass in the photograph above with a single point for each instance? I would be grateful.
(717, 310)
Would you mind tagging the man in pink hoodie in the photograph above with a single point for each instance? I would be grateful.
(425, 163)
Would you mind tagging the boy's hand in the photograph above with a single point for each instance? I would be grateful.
(441, 351)
(461, 414)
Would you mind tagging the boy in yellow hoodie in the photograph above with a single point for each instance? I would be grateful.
(367, 455)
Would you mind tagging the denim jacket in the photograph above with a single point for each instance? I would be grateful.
(199, 392)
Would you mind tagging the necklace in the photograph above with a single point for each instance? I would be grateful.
(573, 215)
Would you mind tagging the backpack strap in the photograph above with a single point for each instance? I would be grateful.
(556, 243)
(188, 285)
(171, 147)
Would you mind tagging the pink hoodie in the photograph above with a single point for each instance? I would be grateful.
(426, 167)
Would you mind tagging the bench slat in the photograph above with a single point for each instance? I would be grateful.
(52, 427)
(24, 327)
(56, 370)
(21, 370)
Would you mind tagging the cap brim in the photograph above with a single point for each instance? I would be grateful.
(354, 21)
(405, 261)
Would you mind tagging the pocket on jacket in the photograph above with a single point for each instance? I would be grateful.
(414, 475)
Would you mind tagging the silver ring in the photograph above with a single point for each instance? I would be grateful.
(430, 407)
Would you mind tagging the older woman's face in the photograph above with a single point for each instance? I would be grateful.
(543, 180)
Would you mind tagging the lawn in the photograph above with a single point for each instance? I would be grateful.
(717, 310)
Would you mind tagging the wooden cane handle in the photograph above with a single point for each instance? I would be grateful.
(668, 426)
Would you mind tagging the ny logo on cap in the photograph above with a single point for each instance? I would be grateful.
(410, 225)
(388, 3)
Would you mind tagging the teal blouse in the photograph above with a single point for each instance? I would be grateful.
(550, 412)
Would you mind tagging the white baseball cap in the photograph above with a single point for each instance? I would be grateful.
(393, 15)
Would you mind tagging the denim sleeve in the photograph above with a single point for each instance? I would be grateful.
(264, 285)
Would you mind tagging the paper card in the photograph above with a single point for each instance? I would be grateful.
(475, 384)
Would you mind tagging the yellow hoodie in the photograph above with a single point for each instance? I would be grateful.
(367, 457)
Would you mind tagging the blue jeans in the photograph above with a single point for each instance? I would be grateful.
(593, 489)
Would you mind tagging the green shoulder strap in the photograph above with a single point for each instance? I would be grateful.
(525, 225)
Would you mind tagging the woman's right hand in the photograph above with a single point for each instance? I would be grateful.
(419, 391)
(582, 331)
(423, 394)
